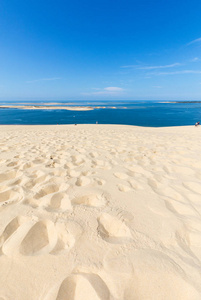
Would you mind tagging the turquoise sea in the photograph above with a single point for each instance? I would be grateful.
(140, 113)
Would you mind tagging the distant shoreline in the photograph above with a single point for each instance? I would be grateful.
(180, 102)
(46, 107)
(35, 107)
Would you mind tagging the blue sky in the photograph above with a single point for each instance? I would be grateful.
(100, 50)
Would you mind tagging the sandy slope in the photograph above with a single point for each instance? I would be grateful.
(94, 212)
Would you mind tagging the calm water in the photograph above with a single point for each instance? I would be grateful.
(142, 113)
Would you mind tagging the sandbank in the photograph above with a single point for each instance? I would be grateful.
(100, 212)
(45, 107)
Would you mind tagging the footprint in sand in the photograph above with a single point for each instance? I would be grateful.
(11, 227)
(46, 190)
(9, 175)
(51, 188)
(113, 230)
(12, 164)
(91, 198)
(59, 202)
(73, 173)
(58, 173)
(123, 188)
(39, 161)
(99, 181)
(83, 286)
(78, 159)
(29, 237)
(135, 185)
(121, 175)
(27, 166)
(127, 182)
(83, 181)
(93, 154)
(34, 174)
(3, 188)
(36, 181)
(101, 164)
(10, 196)
(40, 239)
(154, 184)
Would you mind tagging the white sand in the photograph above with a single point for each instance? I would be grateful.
(94, 212)
(45, 107)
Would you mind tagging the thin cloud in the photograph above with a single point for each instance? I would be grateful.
(110, 90)
(194, 41)
(159, 67)
(43, 79)
(130, 66)
(152, 67)
(113, 89)
(177, 72)
(195, 59)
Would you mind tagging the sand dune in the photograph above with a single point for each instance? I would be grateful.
(100, 212)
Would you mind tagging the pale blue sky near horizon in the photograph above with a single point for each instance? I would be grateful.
(100, 50)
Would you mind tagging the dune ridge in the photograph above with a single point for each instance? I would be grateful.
(100, 212)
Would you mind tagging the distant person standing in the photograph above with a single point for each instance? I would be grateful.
(197, 124)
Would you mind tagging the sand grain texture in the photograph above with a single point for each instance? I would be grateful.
(100, 212)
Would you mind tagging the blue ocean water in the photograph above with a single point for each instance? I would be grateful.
(140, 113)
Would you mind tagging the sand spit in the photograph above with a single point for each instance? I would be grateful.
(45, 107)
(100, 212)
